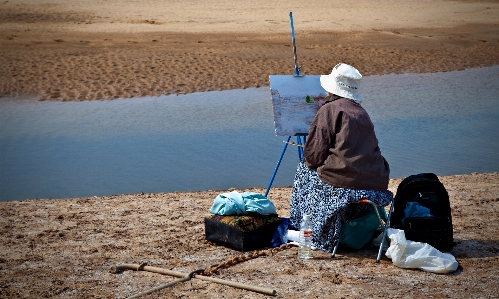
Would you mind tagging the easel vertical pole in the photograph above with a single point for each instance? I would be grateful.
(299, 139)
(297, 68)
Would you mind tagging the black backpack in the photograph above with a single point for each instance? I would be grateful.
(428, 191)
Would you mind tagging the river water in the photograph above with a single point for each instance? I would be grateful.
(446, 123)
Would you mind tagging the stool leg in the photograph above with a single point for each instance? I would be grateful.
(384, 234)
(343, 219)
(335, 248)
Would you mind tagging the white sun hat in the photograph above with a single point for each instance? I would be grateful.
(343, 81)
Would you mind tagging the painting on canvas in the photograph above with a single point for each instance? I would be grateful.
(295, 102)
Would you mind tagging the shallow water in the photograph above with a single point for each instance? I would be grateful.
(446, 123)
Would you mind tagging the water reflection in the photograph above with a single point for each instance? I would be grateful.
(446, 123)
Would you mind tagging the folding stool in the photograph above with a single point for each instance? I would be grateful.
(383, 224)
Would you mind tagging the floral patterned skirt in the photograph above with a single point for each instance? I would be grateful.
(324, 202)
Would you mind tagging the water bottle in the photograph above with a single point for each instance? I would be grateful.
(305, 243)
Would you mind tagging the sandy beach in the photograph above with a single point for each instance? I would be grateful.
(101, 50)
(64, 248)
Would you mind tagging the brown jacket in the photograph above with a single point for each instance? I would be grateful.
(343, 147)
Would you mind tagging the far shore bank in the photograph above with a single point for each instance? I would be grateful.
(151, 64)
(66, 51)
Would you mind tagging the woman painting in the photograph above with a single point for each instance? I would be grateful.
(343, 162)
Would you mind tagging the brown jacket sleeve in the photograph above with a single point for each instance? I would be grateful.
(322, 136)
(316, 150)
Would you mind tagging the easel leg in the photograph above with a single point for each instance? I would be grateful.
(299, 140)
(277, 166)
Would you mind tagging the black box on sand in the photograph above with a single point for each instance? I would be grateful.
(241, 232)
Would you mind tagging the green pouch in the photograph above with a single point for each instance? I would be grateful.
(358, 232)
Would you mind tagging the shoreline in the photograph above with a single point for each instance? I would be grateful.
(262, 189)
(54, 96)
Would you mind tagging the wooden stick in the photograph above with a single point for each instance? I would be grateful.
(117, 268)
(163, 286)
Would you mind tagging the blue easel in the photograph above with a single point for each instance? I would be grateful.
(300, 138)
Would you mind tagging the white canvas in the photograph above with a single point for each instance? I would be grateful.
(292, 114)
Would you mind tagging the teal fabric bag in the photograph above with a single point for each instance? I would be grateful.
(235, 203)
(358, 232)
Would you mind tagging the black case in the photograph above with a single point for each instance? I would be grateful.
(237, 238)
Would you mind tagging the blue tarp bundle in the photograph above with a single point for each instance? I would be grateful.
(235, 203)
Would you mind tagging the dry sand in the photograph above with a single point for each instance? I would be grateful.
(64, 248)
(75, 50)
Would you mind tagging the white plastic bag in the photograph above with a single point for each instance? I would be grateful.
(410, 254)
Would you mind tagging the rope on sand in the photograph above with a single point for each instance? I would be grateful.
(240, 259)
